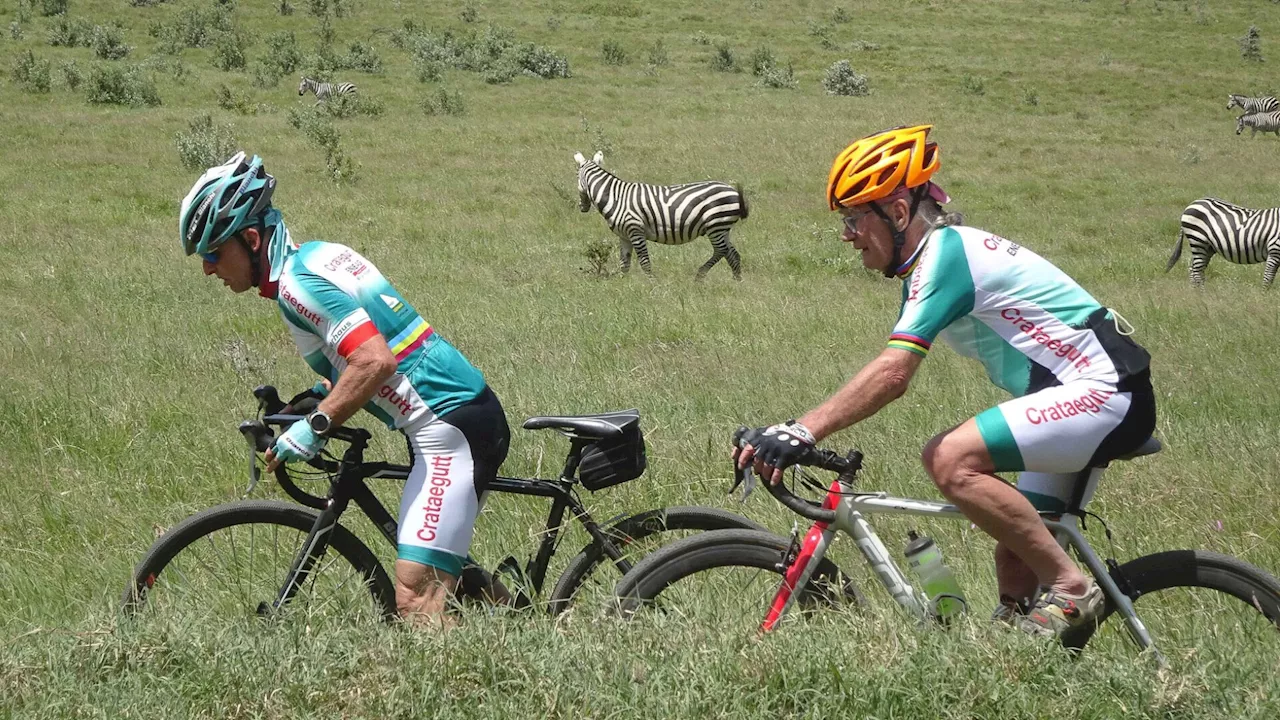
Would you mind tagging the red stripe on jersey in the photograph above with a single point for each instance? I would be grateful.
(356, 338)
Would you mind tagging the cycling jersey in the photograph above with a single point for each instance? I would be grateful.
(333, 299)
(1028, 323)
(1082, 389)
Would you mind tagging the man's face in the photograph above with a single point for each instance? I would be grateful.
(232, 266)
(869, 235)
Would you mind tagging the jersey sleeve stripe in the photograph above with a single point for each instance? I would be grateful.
(911, 343)
(355, 338)
(409, 340)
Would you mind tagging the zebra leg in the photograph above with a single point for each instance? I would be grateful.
(1199, 260)
(642, 251)
(624, 254)
(1273, 263)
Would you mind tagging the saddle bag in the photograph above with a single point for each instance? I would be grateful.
(615, 460)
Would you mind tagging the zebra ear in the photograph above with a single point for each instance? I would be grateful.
(581, 160)
(598, 157)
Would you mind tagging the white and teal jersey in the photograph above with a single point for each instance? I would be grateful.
(1028, 323)
(333, 300)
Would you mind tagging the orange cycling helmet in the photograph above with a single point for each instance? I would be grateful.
(879, 165)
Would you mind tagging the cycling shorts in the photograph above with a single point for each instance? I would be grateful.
(454, 459)
(1059, 431)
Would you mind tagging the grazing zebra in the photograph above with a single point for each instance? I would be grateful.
(1250, 105)
(1240, 234)
(1264, 121)
(667, 214)
(324, 90)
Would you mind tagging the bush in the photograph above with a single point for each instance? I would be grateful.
(203, 144)
(599, 253)
(823, 34)
(340, 167)
(776, 76)
(612, 53)
(53, 7)
(228, 99)
(200, 26)
(501, 73)
(228, 52)
(343, 106)
(1030, 97)
(723, 60)
(470, 13)
(842, 80)
(443, 102)
(761, 60)
(362, 57)
(864, 45)
(15, 30)
(69, 32)
(840, 15)
(71, 75)
(107, 42)
(1250, 48)
(282, 55)
(658, 54)
(973, 85)
(116, 85)
(541, 62)
(428, 70)
(285, 8)
(32, 73)
(700, 38)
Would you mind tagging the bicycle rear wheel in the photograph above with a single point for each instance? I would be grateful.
(592, 576)
(1202, 609)
(727, 577)
(231, 561)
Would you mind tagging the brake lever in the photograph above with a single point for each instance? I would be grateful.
(250, 430)
(744, 477)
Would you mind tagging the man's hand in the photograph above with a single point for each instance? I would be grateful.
(299, 442)
(774, 449)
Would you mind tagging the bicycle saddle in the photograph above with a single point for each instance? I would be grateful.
(603, 425)
(1150, 447)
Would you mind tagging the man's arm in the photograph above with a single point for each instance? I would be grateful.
(368, 367)
(879, 383)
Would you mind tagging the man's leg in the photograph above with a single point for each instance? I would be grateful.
(962, 468)
(423, 592)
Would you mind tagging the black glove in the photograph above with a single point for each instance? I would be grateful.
(781, 445)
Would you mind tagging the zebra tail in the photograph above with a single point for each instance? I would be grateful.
(1177, 252)
(742, 201)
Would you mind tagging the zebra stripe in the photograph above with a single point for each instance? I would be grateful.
(1265, 121)
(667, 214)
(324, 90)
(1239, 234)
(1250, 105)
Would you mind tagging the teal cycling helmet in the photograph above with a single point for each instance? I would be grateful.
(224, 201)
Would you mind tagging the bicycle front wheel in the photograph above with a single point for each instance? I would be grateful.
(727, 577)
(1202, 609)
(231, 561)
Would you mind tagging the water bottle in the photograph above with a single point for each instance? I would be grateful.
(946, 600)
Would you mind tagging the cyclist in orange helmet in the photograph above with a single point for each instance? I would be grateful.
(1081, 387)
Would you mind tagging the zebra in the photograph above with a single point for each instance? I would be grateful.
(1250, 105)
(1240, 234)
(1264, 121)
(667, 214)
(324, 90)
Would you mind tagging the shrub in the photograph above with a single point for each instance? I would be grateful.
(229, 99)
(443, 102)
(282, 55)
(724, 60)
(69, 32)
(840, 15)
(612, 53)
(428, 70)
(823, 34)
(204, 144)
(340, 166)
(32, 73)
(658, 54)
(501, 73)
(342, 106)
(363, 57)
(71, 75)
(973, 85)
(15, 30)
(116, 85)
(554, 23)
(470, 13)
(539, 61)
(107, 42)
(761, 60)
(1030, 97)
(53, 7)
(599, 253)
(700, 38)
(200, 26)
(228, 51)
(1250, 48)
(864, 45)
(285, 8)
(842, 80)
(776, 76)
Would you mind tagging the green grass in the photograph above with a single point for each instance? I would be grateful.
(123, 371)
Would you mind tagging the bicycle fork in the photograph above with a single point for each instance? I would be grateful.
(313, 548)
(814, 547)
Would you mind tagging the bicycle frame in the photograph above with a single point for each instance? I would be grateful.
(349, 484)
(850, 506)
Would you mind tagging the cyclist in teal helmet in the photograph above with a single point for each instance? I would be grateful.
(373, 350)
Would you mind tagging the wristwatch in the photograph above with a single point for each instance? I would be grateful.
(320, 423)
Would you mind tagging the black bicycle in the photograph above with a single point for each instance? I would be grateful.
(257, 557)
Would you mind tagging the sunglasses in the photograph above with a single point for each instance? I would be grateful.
(210, 257)
(851, 221)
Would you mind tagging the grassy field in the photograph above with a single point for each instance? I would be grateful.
(1079, 129)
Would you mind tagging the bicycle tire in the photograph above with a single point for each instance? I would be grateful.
(633, 528)
(733, 548)
(1185, 569)
(263, 513)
